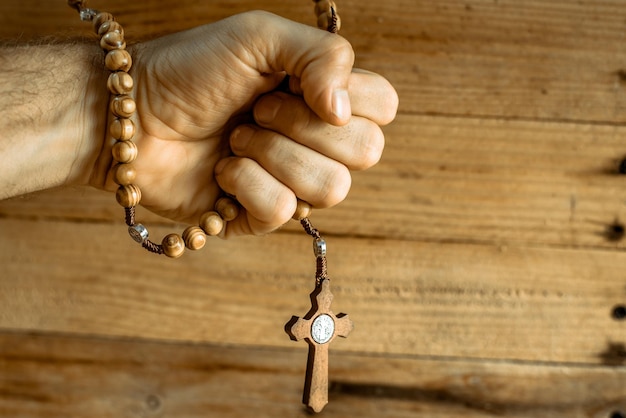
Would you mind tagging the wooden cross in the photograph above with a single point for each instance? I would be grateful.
(318, 328)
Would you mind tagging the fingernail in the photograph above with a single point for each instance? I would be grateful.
(266, 109)
(240, 138)
(341, 105)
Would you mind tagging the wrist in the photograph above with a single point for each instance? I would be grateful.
(92, 149)
(54, 116)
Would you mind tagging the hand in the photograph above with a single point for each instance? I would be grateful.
(193, 88)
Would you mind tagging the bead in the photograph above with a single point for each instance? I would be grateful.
(319, 247)
(194, 238)
(122, 129)
(118, 60)
(324, 6)
(173, 245)
(120, 82)
(87, 15)
(324, 20)
(303, 210)
(212, 223)
(138, 232)
(227, 208)
(124, 174)
(128, 196)
(124, 151)
(99, 19)
(112, 40)
(123, 106)
(110, 26)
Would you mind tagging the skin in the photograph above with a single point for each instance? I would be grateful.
(209, 118)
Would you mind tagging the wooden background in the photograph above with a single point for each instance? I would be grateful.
(482, 260)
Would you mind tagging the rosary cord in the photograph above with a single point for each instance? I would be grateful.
(130, 215)
(308, 227)
(333, 26)
(146, 243)
(319, 246)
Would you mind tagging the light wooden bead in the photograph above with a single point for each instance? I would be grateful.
(128, 196)
(123, 106)
(303, 210)
(227, 208)
(324, 6)
(112, 40)
(124, 151)
(99, 19)
(118, 60)
(173, 245)
(122, 129)
(124, 174)
(120, 82)
(194, 237)
(211, 223)
(323, 20)
(110, 26)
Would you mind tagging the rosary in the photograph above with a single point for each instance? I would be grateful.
(320, 325)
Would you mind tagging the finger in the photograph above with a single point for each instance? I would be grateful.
(371, 96)
(358, 145)
(268, 203)
(313, 177)
(322, 61)
(374, 97)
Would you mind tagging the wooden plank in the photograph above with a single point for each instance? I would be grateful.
(514, 59)
(60, 376)
(406, 298)
(452, 179)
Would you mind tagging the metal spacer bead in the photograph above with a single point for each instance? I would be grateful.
(319, 247)
(87, 15)
(138, 232)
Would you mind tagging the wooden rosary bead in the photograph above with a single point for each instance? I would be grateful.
(124, 151)
(118, 60)
(128, 196)
(112, 40)
(324, 20)
(110, 26)
(99, 19)
(124, 174)
(227, 208)
(123, 106)
(122, 129)
(303, 210)
(324, 6)
(211, 223)
(194, 238)
(120, 82)
(173, 245)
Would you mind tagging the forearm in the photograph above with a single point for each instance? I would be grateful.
(53, 101)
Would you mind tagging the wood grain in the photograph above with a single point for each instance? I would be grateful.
(60, 376)
(413, 298)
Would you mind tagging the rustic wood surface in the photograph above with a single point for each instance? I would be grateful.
(64, 376)
(481, 260)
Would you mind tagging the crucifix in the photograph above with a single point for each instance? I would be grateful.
(318, 328)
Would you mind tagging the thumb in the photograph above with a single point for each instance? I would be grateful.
(320, 60)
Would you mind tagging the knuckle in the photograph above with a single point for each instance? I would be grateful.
(284, 207)
(390, 106)
(341, 49)
(370, 150)
(335, 188)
